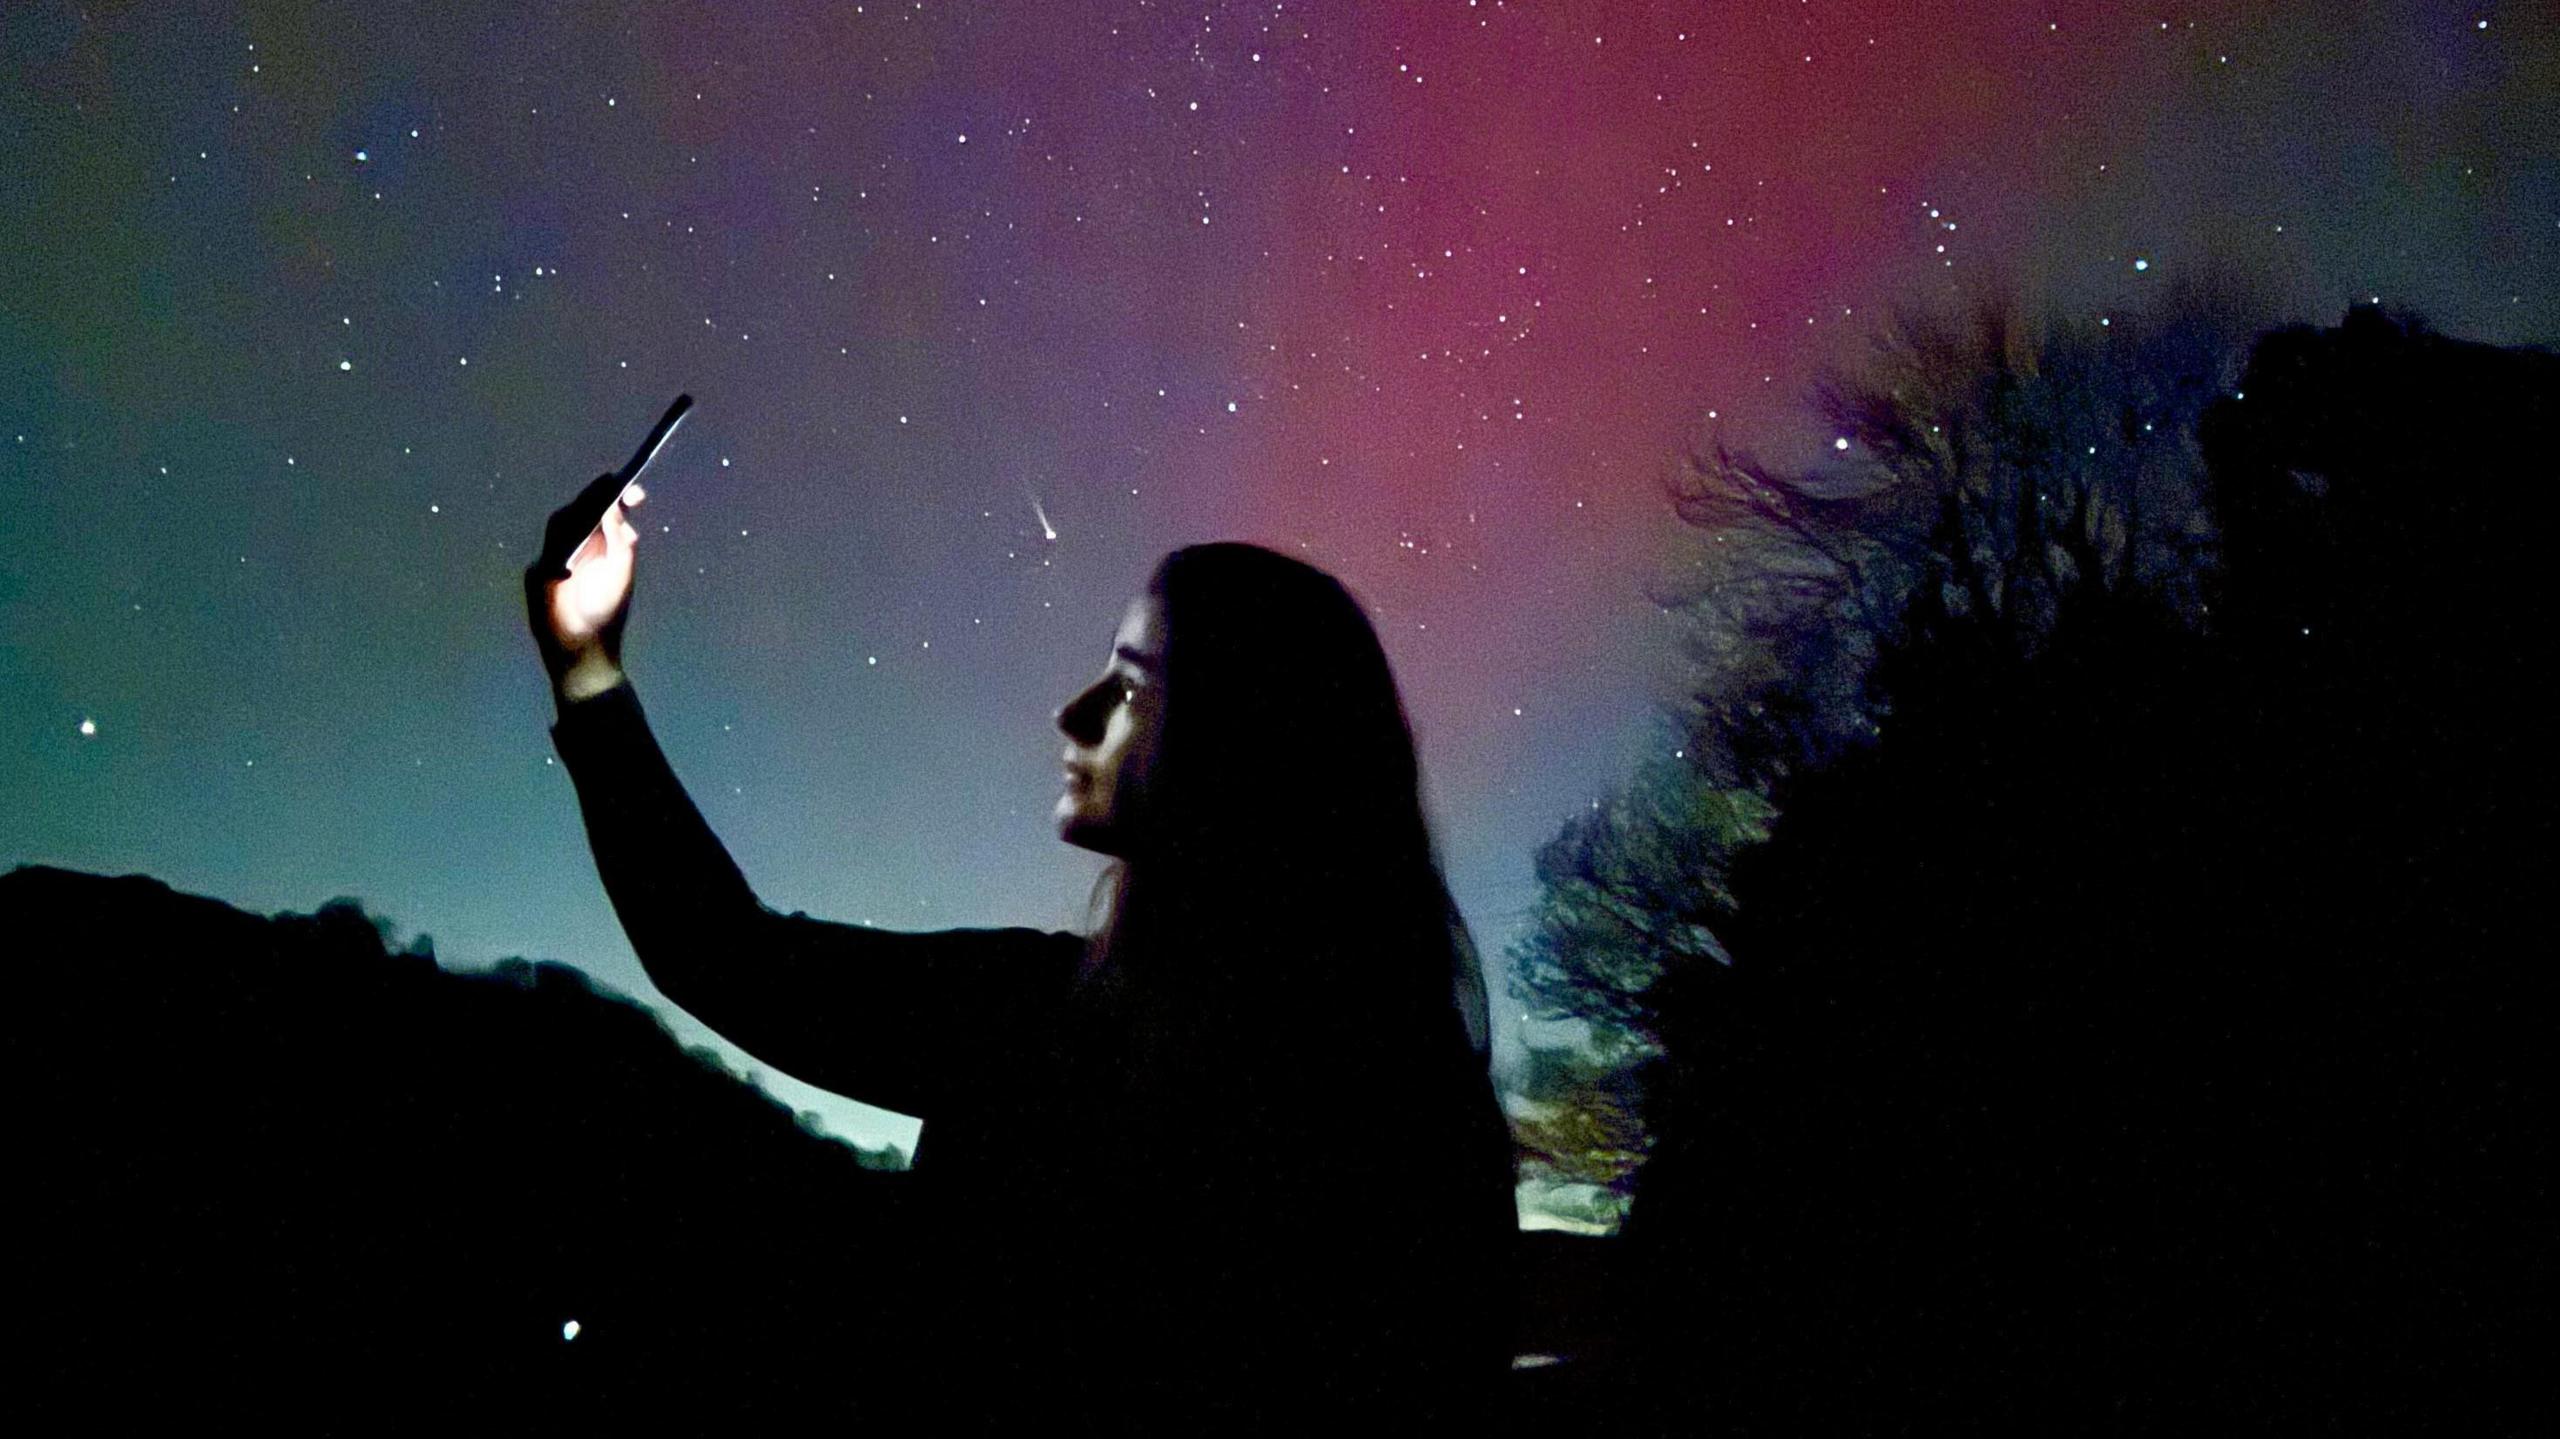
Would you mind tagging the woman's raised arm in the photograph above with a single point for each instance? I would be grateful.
(919, 1023)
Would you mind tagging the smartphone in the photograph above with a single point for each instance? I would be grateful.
(649, 447)
(573, 524)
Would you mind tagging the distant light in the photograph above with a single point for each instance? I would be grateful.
(569, 1330)
(2142, 264)
(1231, 407)
(1840, 443)
(346, 364)
(88, 726)
(359, 155)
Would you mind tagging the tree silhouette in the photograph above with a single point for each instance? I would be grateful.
(2141, 1030)
(1989, 473)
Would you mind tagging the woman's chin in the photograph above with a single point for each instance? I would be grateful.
(1070, 819)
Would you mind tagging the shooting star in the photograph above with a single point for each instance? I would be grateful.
(1048, 531)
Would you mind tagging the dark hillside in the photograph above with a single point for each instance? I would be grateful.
(268, 1168)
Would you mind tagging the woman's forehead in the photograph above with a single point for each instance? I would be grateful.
(1141, 627)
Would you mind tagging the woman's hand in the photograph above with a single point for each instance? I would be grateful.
(577, 593)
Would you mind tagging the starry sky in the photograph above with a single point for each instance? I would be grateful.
(311, 313)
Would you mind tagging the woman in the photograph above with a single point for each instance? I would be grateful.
(1232, 1159)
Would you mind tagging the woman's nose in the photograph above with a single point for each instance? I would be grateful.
(1076, 720)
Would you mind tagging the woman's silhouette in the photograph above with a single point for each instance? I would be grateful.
(1235, 1156)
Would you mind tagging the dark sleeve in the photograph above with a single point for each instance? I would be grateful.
(918, 1023)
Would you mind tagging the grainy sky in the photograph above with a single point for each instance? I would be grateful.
(310, 313)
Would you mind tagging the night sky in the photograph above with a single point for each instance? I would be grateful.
(311, 313)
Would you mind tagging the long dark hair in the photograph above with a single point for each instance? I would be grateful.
(1289, 1008)
(1290, 884)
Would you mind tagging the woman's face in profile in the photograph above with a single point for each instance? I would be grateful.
(1111, 731)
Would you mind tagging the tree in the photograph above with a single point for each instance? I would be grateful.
(1988, 473)
(2141, 1031)
(1627, 893)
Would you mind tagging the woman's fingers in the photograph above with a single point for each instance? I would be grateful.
(621, 533)
(574, 522)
